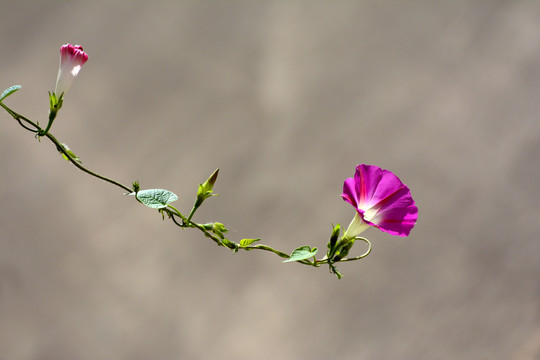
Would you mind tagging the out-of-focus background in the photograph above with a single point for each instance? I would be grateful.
(286, 98)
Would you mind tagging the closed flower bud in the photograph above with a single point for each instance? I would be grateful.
(72, 58)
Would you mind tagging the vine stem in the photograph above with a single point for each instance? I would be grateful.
(80, 167)
(277, 252)
(38, 130)
(171, 211)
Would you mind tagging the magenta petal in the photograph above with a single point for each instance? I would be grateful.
(366, 178)
(349, 192)
(400, 221)
(375, 184)
(396, 213)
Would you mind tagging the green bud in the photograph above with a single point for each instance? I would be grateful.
(334, 270)
(229, 244)
(217, 228)
(212, 180)
(334, 237)
(343, 248)
(206, 190)
(333, 240)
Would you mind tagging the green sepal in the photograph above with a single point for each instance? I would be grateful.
(55, 103)
(10, 90)
(71, 154)
(301, 253)
(247, 242)
(155, 198)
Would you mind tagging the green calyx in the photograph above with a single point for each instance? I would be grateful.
(55, 104)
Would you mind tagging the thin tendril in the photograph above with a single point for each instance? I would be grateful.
(368, 251)
(26, 127)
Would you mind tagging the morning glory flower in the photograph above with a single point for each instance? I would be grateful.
(72, 58)
(381, 200)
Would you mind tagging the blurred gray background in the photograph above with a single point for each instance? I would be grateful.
(286, 98)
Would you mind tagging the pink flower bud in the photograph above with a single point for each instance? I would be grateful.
(72, 58)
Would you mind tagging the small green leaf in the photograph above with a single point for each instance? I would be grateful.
(10, 90)
(71, 153)
(156, 198)
(247, 242)
(302, 253)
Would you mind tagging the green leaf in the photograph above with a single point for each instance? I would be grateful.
(247, 242)
(302, 253)
(10, 90)
(71, 153)
(156, 198)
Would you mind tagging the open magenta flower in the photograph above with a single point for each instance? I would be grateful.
(381, 200)
(72, 58)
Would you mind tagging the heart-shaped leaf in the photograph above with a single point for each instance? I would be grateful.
(302, 253)
(156, 198)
